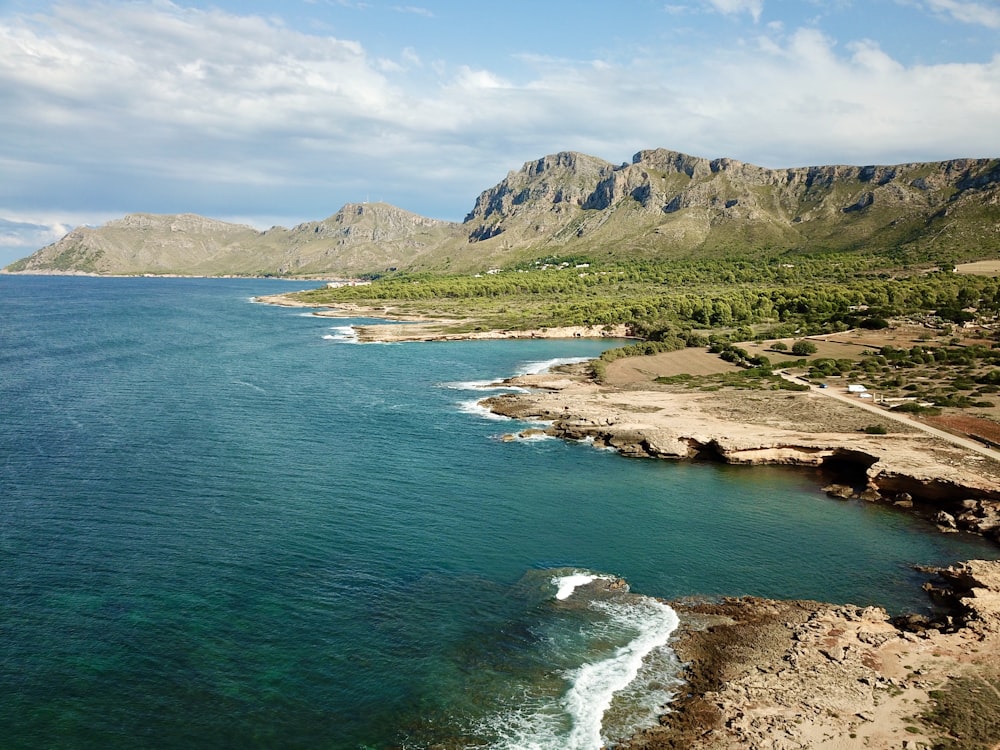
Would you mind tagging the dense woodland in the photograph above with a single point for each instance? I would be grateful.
(682, 301)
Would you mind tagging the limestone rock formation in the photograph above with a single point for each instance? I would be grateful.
(663, 204)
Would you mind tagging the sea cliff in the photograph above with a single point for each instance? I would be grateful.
(763, 674)
(955, 486)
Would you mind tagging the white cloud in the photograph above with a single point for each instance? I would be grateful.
(731, 7)
(411, 58)
(968, 12)
(867, 54)
(865, 107)
(468, 78)
(29, 236)
(171, 108)
(414, 10)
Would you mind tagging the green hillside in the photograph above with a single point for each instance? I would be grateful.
(662, 206)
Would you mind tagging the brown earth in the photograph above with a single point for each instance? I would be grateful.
(977, 427)
(629, 370)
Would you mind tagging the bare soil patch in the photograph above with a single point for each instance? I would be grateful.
(980, 268)
(794, 411)
(631, 370)
(975, 427)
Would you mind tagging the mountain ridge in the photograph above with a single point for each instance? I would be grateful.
(663, 204)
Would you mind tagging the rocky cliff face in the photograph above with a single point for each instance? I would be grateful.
(550, 185)
(676, 204)
(363, 237)
(664, 204)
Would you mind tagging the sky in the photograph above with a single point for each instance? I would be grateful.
(275, 113)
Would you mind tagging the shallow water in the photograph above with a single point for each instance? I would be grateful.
(224, 524)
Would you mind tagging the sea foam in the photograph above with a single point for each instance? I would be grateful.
(595, 685)
(608, 698)
(566, 585)
(482, 385)
(536, 368)
(346, 334)
(475, 408)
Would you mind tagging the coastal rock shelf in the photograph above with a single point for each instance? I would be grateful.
(765, 674)
(906, 467)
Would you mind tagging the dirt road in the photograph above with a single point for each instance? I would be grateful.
(966, 443)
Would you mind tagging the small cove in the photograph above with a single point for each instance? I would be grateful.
(227, 525)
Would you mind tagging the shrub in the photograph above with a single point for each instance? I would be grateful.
(802, 348)
(911, 407)
(876, 429)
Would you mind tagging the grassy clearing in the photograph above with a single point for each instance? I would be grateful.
(967, 714)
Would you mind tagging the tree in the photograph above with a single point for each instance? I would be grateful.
(803, 348)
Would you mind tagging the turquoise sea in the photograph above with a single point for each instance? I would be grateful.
(227, 525)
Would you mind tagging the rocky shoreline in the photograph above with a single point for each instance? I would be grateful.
(958, 489)
(419, 328)
(780, 675)
(763, 674)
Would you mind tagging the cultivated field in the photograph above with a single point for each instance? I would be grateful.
(976, 427)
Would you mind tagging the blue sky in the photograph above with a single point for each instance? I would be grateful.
(280, 112)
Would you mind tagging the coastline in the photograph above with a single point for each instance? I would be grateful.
(763, 674)
(96, 275)
(423, 328)
(958, 488)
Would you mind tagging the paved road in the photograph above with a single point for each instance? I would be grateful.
(859, 403)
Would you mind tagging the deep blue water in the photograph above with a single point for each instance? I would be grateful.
(224, 526)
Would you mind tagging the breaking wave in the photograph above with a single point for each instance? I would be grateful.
(536, 368)
(346, 334)
(597, 666)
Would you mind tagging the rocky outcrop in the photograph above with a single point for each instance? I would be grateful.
(662, 204)
(911, 470)
(366, 222)
(765, 674)
(541, 189)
